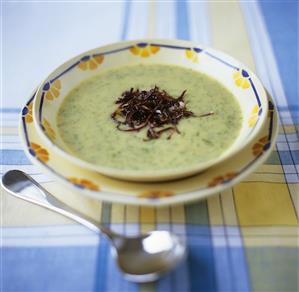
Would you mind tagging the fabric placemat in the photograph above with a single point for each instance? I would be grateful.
(243, 239)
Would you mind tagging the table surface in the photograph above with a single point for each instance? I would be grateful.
(243, 239)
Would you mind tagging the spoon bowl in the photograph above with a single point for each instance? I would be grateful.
(141, 258)
(149, 255)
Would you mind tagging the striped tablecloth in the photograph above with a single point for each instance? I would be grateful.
(243, 239)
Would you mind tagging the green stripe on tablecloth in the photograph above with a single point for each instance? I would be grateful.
(197, 213)
(273, 159)
(273, 268)
(147, 287)
(106, 213)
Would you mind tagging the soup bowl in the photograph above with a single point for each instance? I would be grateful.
(244, 86)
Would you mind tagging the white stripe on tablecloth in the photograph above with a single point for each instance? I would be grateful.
(44, 231)
(263, 51)
(8, 114)
(44, 236)
(138, 21)
(56, 235)
(7, 123)
(30, 169)
(10, 139)
(11, 146)
(165, 23)
(199, 22)
(92, 240)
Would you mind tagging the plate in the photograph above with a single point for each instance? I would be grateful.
(90, 183)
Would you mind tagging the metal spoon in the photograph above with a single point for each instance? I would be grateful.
(142, 258)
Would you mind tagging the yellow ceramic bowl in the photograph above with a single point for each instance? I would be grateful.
(238, 79)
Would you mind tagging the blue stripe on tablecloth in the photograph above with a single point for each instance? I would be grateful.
(223, 269)
(295, 155)
(101, 267)
(177, 280)
(286, 158)
(182, 21)
(53, 269)
(293, 108)
(201, 250)
(240, 275)
(201, 259)
(231, 267)
(281, 18)
(13, 157)
(10, 110)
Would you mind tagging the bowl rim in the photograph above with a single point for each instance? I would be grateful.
(152, 175)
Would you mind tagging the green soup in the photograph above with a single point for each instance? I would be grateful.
(85, 123)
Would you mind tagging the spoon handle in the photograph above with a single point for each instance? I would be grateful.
(22, 186)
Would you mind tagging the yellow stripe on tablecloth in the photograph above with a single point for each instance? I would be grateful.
(228, 32)
(132, 214)
(280, 241)
(86, 205)
(269, 168)
(177, 214)
(287, 231)
(35, 215)
(117, 213)
(16, 213)
(215, 213)
(266, 177)
(163, 215)
(261, 204)
(147, 219)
